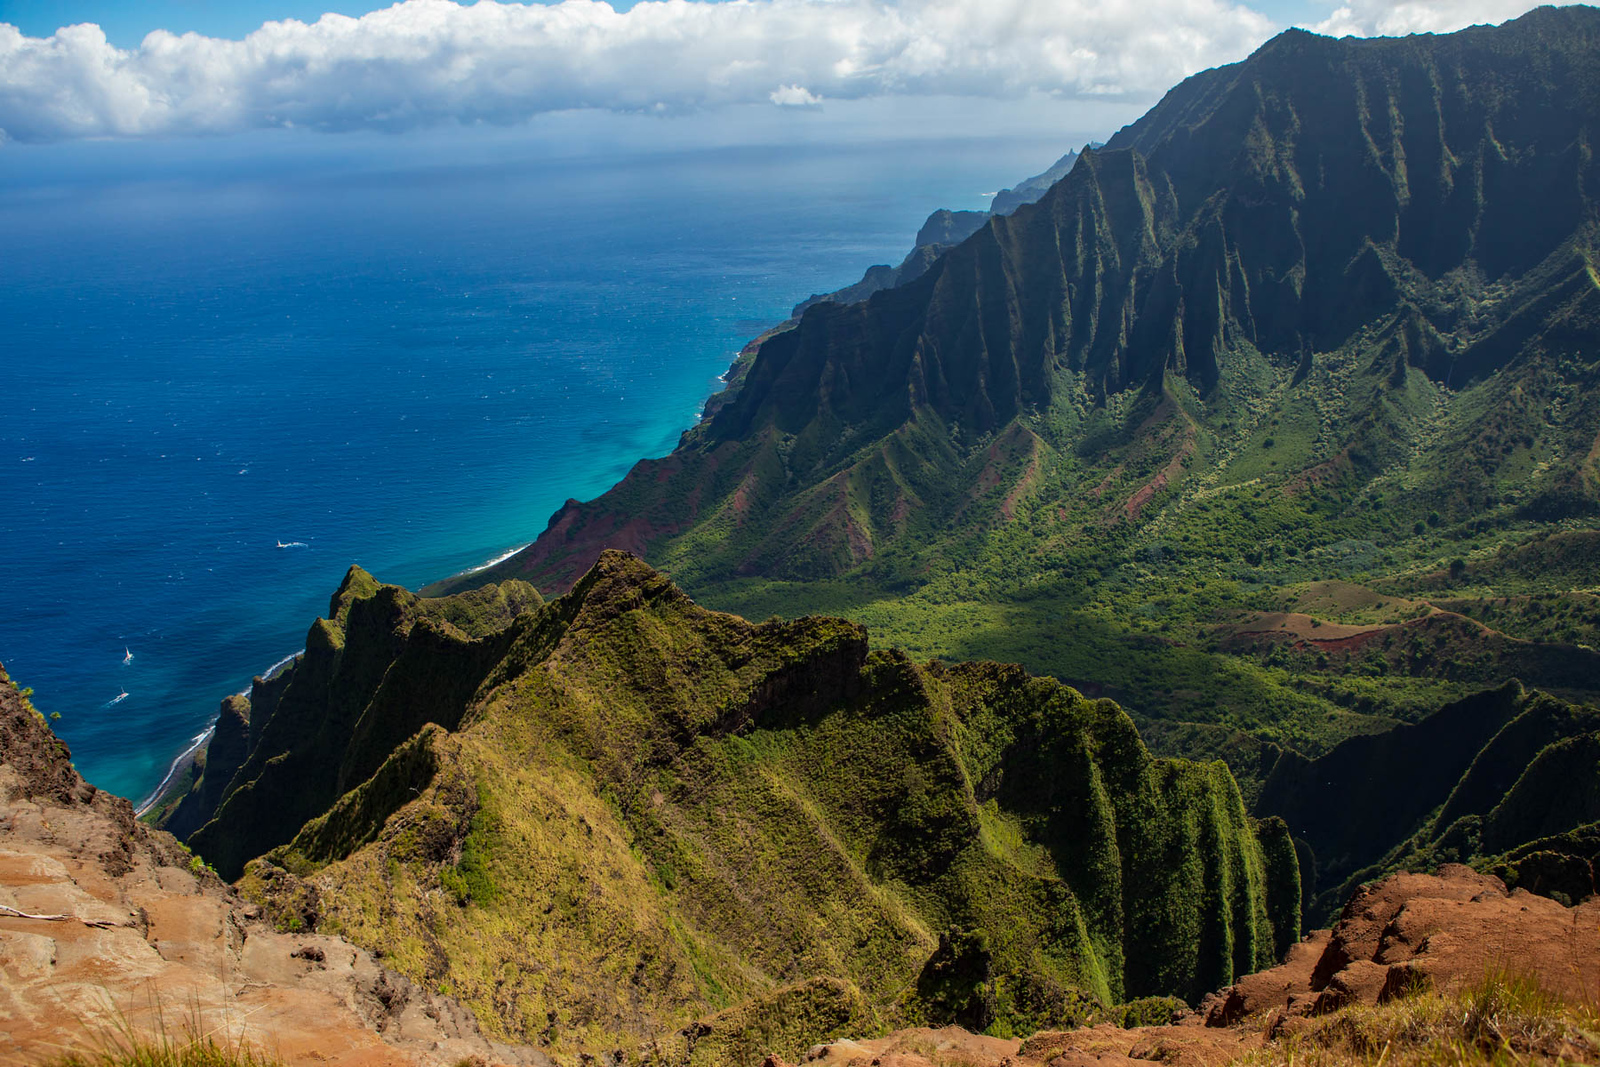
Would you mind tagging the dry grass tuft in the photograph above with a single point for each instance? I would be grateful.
(192, 1045)
(1504, 1019)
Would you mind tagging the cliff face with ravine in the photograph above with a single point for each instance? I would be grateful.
(641, 812)
(1280, 391)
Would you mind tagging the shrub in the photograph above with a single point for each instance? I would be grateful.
(122, 1048)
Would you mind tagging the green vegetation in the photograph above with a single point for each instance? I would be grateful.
(1275, 420)
(1151, 1011)
(196, 1046)
(649, 815)
(785, 1022)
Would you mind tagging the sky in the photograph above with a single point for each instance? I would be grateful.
(126, 22)
(88, 69)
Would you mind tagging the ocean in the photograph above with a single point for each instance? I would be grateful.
(229, 369)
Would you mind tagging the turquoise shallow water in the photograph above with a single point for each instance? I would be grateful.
(399, 353)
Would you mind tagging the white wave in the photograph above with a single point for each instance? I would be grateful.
(277, 668)
(497, 560)
(172, 772)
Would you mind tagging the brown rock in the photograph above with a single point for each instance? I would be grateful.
(103, 927)
(1267, 990)
(1454, 928)
(1394, 937)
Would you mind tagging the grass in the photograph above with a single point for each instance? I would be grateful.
(652, 813)
(1503, 1019)
(166, 1052)
(192, 1044)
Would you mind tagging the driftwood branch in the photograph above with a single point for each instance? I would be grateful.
(97, 923)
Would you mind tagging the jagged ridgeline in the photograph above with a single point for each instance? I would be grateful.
(1507, 779)
(382, 665)
(618, 812)
(1327, 313)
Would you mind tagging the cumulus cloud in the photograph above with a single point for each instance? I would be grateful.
(425, 61)
(1397, 17)
(794, 96)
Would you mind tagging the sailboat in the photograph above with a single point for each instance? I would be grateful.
(119, 698)
(127, 657)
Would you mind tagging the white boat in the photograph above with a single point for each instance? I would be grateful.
(127, 657)
(120, 697)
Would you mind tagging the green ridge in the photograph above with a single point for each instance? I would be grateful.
(1325, 315)
(648, 813)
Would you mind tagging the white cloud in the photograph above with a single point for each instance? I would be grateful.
(1398, 17)
(794, 96)
(425, 61)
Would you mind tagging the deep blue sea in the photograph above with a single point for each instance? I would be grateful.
(398, 352)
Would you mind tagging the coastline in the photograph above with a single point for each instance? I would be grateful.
(485, 566)
(729, 382)
(181, 761)
(160, 791)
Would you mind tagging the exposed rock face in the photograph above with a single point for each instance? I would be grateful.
(106, 924)
(1444, 930)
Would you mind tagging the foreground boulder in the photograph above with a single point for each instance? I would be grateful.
(1442, 931)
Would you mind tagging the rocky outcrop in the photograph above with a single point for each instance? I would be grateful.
(1415, 931)
(109, 928)
(1443, 932)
